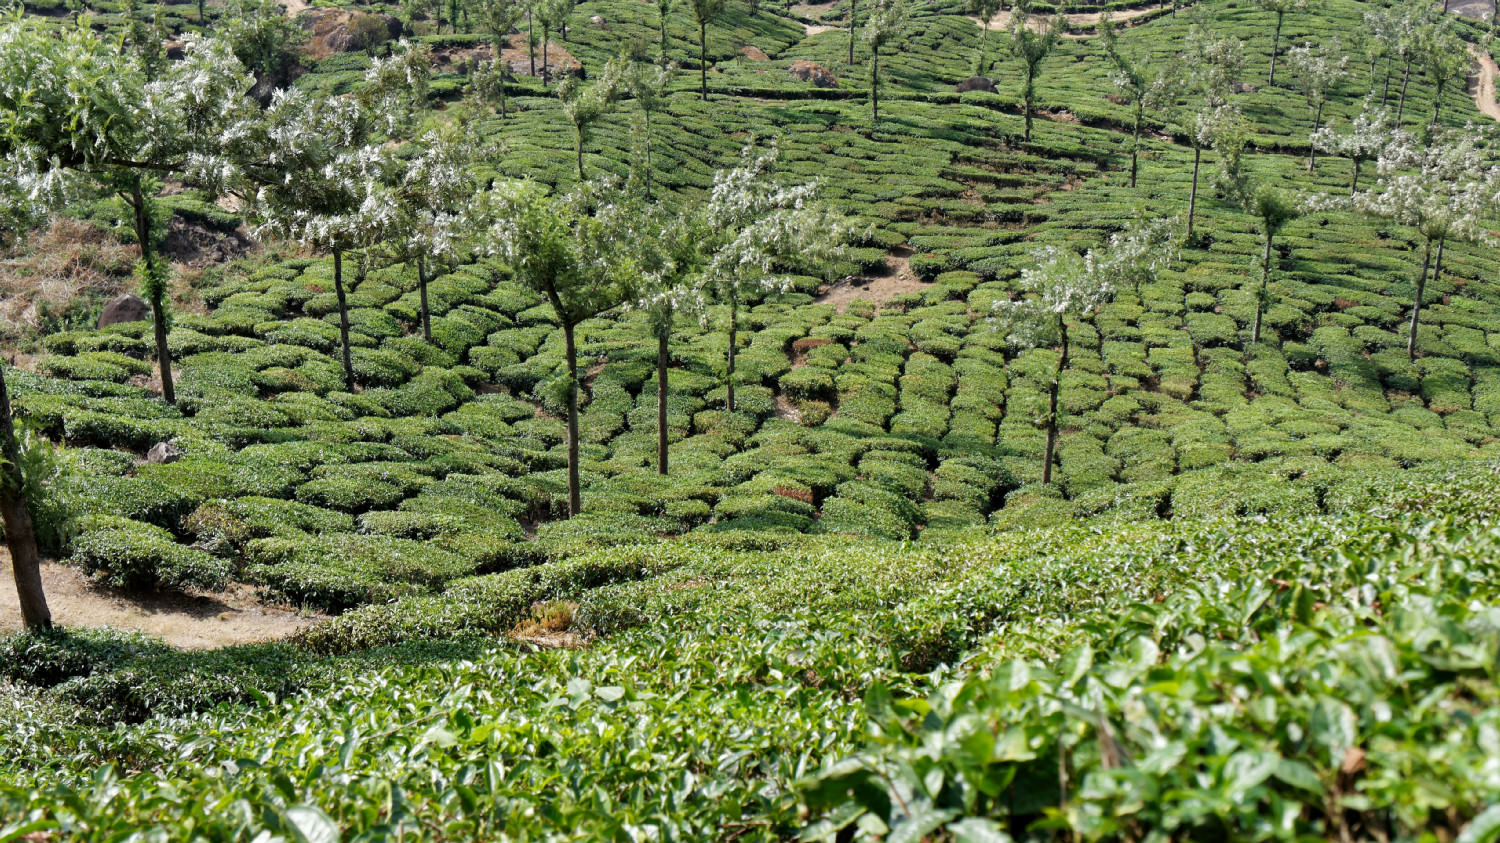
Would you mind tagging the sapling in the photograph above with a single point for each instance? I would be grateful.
(703, 12)
(1031, 48)
(584, 103)
(1317, 69)
(1273, 211)
(985, 10)
(499, 17)
(1155, 88)
(1367, 135)
(885, 22)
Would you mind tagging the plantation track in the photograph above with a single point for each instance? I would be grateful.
(1484, 83)
(1080, 20)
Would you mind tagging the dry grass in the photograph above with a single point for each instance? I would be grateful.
(550, 625)
(57, 274)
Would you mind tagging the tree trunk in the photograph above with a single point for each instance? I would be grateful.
(984, 46)
(1265, 280)
(1193, 195)
(1276, 46)
(852, 4)
(1416, 307)
(648, 154)
(1385, 92)
(1354, 182)
(578, 149)
(1135, 137)
(734, 314)
(422, 292)
(141, 212)
(1405, 80)
(661, 399)
(338, 290)
(662, 25)
(1437, 100)
(875, 86)
(575, 497)
(1056, 386)
(20, 533)
(1312, 151)
(703, 59)
(1026, 95)
(530, 43)
(546, 36)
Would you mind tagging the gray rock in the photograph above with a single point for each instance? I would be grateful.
(126, 307)
(976, 83)
(163, 452)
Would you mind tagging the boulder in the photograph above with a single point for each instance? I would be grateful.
(597, 21)
(976, 83)
(815, 74)
(754, 53)
(163, 452)
(126, 307)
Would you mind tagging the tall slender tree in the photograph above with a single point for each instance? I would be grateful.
(649, 85)
(1031, 47)
(584, 103)
(16, 518)
(1149, 86)
(885, 22)
(663, 9)
(985, 10)
(1273, 211)
(577, 250)
(704, 11)
(1367, 135)
(499, 17)
(1279, 8)
(1445, 59)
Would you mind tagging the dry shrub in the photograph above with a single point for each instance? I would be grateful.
(55, 276)
(794, 494)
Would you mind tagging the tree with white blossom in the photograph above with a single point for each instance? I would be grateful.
(751, 224)
(324, 171)
(1444, 189)
(1060, 288)
(1445, 59)
(1213, 65)
(584, 103)
(1148, 85)
(1280, 8)
(579, 251)
(649, 83)
(1317, 68)
(1370, 132)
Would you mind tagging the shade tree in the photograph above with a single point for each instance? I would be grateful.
(1031, 46)
(704, 11)
(1280, 8)
(663, 9)
(1147, 85)
(985, 11)
(499, 17)
(1444, 58)
(578, 250)
(886, 21)
(1272, 212)
(1442, 188)
(649, 85)
(1317, 68)
(584, 103)
(1362, 140)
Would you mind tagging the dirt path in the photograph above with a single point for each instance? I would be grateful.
(1484, 84)
(896, 280)
(294, 7)
(1076, 20)
(189, 621)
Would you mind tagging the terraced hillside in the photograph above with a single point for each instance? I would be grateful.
(1254, 601)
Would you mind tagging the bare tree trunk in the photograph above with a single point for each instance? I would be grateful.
(1437, 100)
(546, 33)
(575, 496)
(338, 289)
(1312, 151)
(1275, 46)
(1405, 80)
(141, 211)
(1026, 96)
(1135, 138)
(648, 154)
(20, 533)
(661, 401)
(1354, 182)
(530, 42)
(1056, 387)
(1416, 307)
(875, 87)
(422, 292)
(578, 149)
(852, 4)
(1193, 195)
(1260, 299)
(1385, 92)
(734, 320)
(703, 59)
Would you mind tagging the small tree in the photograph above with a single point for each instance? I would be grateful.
(1273, 211)
(1206, 129)
(1406, 35)
(1213, 65)
(985, 10)
(16, 518)
(885, 22)
(499, 17)
(1368, 134)
(1146, 88)
(1279, 8)
(649, 84)
(1317, 69)
(1031, 48)
(703, 12)
(1138, 253)
(751, 223)
(585, 102)
(264, 38)
(553, 14)
(1441, 188)
(670, 263)
(576, 251)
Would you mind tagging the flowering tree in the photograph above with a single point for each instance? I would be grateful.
(1273, 211)
(886, 21)
(1213, 127)
(1031, 48)
(703, 12)
(585, 102)
(1213, 66)
(1146, 87)
(750, 223)
(78, 110)
(1443, 189)
(577, 250)
(671, 258)
(1444, 58)
(324, 171)
(1279, 8)
(1317, 69)
(1367, 135)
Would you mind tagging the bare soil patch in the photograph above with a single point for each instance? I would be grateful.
(1075, 20)
(191, 621)
(895, 280)
(1482, 85)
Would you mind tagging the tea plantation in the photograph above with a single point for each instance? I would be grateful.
(1256, 596)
